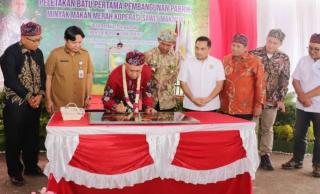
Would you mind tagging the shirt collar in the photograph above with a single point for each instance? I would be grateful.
(244, 56)
(313, 59)
(69, 52)
(24, 50)
(171, 52)
(265, 51)
(204, 61)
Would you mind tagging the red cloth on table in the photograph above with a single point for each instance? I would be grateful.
(208, 149)
(203, 117)
(119, 153)
(95, 103)
(111, 154)
(241, 184)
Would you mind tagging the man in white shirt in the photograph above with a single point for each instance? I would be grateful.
(306, 82)
(201, 79)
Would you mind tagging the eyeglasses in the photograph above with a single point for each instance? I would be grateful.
(313, 48)
(34, 40)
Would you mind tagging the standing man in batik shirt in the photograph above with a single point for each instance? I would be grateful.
(243, 93)
(306, 83)
(24, 79)
(128, 88)
(277, 74)
(165, 66)
(69, 72)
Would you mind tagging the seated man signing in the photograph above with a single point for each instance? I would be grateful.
(128, 88)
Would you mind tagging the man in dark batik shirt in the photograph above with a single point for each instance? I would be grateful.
(24, 80)
(277, 74)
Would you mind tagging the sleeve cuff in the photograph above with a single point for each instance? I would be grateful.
(43, 93)
(259, 106)
(28, 96)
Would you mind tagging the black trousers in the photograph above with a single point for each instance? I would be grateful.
(303, 120)
(248, 117)
(189, 110)
(21, 126)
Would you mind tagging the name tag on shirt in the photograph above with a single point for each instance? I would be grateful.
(81, 74)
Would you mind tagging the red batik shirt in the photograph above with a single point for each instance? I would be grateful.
(244, 87)
(114, 94)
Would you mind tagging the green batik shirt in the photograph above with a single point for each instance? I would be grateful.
(165, 69)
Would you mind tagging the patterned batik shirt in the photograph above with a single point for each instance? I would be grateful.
(29, 77)
(165, 69)
(244, 87)
(277, 74)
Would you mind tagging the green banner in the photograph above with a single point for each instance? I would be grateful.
(105, 23)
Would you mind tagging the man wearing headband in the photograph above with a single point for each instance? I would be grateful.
(277, 74)
(306, 83)
(165, 66)
(129, 88)
(69, 72)
(243, 93)
(24, 80)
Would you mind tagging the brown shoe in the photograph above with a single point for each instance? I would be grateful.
(291, 164)
(316, 170)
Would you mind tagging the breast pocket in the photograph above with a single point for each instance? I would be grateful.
(316, 70)
(63, 67)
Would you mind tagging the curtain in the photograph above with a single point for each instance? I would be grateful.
(298, 19)
(229, 17)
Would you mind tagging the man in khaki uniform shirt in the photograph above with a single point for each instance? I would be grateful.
(69, 73)
(165, 66)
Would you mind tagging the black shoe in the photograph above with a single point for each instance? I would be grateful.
(267, 165)
(262, 162)
(17, 180)
(34, 172)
